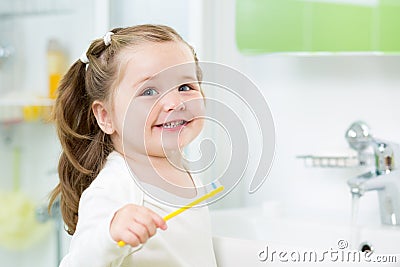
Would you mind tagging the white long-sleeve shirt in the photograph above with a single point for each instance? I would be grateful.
(186, 242)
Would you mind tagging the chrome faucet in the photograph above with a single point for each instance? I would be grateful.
(385, 178)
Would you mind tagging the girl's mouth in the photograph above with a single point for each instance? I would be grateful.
(173, 124)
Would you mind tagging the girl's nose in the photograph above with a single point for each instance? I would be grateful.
(172, 101)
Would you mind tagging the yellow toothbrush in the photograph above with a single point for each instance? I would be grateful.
(188, 206)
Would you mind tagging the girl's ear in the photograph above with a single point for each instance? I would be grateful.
(103, 117)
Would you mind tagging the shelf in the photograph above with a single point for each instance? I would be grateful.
(22, 8)
(5, 15)
(44, 102)
(24, 108)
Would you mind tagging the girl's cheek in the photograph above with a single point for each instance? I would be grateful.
(197, 106)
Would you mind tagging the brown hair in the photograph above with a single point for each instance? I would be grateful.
(85, 146)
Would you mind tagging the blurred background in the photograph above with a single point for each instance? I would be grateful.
(320, 66)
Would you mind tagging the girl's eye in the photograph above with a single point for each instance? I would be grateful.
(149, 92)
(184, 87)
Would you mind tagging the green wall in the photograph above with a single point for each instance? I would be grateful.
(265, 26)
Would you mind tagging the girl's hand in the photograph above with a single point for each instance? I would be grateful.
(135, 224)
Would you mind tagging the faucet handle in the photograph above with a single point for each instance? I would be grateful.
(359, 137)
(385, 155)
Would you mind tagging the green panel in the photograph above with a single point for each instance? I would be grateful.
(342, 27)
(269, 25)
(265, 26)
(389, 26)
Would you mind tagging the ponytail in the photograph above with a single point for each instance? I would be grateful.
(85, 146)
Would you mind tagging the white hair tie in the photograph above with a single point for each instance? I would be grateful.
(107, 38)
(83, 58)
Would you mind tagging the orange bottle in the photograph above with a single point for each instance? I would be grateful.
(56, 65)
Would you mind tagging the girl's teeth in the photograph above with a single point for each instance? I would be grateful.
(173, 124)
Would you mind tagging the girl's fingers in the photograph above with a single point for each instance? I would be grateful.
(148, 222)
(131, 239)
(158, 220)
(140, 231)
(134, 224)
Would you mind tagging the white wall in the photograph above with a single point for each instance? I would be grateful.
(184, 16)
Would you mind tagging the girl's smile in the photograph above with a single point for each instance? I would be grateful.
(173, 126)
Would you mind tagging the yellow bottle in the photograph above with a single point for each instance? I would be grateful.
(56, 64)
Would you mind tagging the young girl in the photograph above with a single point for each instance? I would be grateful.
(121, 112)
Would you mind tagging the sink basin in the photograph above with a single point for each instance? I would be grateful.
(251, 237)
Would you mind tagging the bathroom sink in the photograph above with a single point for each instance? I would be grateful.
(251, 237)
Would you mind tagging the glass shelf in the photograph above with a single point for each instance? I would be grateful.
(5, 15)
(21, 8)
(15, 109)
(45, 102)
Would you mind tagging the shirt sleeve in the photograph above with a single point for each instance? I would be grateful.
(91, 244)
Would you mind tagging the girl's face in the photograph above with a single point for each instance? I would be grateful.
(158, 105)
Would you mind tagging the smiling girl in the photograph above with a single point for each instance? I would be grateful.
(124, 112)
